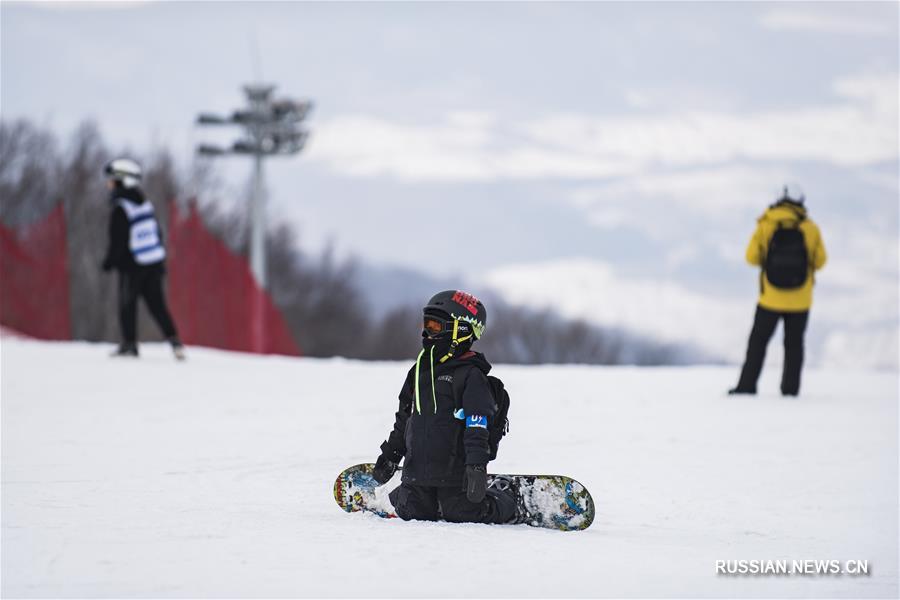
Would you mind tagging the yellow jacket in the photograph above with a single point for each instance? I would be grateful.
(771, 297)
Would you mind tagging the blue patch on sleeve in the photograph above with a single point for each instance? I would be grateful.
(459, 414)
(476, 421)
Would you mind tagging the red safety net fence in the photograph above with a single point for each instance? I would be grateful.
(34, 278)
(213, 296)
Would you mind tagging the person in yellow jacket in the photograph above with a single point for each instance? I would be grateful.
(788, 248)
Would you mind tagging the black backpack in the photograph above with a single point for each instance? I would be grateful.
(498, 425)
(787, 260)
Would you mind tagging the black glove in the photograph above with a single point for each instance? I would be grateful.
(475, 482)
(384, 470)
(107, 265)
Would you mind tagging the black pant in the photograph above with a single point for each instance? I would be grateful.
(146, 282)
(763, 327)
(450, 503)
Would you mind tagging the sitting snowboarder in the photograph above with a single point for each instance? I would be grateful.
(442, 429)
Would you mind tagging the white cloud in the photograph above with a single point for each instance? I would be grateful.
(715, 190)
(477, 146)
(881, 92)
(682, 253)
(713, 204)
(819, 17)
(845, 134)
(90, 4)
(597, 292)
(886, 181)
(456, 149)
(638, 99)
(359, 145)
(857, 327)
(858, 294)
(609, 217)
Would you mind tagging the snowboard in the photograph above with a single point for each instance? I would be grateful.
(551, 501)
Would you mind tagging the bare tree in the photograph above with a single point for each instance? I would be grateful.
(92, 293)
(397, 336)
(30, 170)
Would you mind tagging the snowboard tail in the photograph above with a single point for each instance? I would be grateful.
(550, 501)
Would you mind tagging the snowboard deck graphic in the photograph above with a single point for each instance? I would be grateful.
(552, 501)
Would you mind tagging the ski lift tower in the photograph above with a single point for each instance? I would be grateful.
(271, 128)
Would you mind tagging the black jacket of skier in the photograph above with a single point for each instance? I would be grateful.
(441, 426)
(118, 253)
(436, 444)
(135, 249)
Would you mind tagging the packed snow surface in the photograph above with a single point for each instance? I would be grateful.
(213, 478)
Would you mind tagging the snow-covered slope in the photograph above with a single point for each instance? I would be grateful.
(213, 478)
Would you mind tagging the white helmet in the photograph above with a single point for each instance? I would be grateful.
(793, 192)
(124, 170)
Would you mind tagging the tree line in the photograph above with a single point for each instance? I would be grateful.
(318, 295)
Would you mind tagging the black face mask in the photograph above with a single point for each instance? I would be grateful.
(442, 345)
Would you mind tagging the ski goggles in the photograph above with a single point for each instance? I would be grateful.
(435, 326)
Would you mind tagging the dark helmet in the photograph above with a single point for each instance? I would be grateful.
(458, 307)
(792, 192)
(125, 171)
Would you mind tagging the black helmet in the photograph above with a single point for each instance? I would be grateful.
(459, 306)
(792, 192)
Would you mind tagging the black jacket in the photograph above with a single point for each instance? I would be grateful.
(118, 254)
(437, 445)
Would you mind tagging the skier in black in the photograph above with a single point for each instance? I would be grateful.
(136, 251)
(441, 427)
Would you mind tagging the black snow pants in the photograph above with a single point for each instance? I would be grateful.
(424, 503)
(763, 327)
(145, 282)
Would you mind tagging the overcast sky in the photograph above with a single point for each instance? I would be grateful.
(606, 159)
